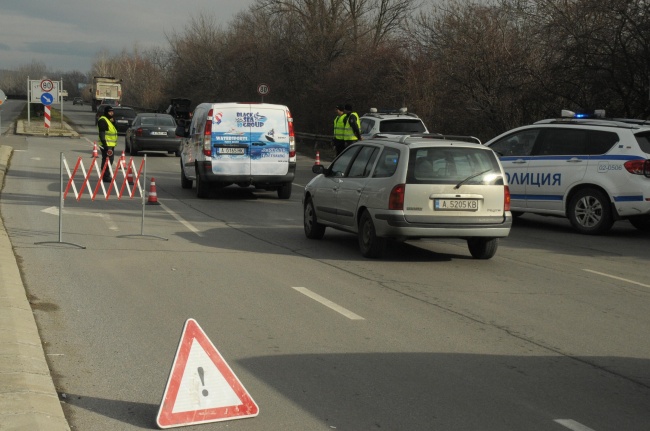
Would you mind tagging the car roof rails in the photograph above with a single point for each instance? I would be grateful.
(374, 112)
(463, 138)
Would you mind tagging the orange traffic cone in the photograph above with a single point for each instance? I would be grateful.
(153, 197)
(95, 149)
(129, 176)
(317, 158)
(123, 160)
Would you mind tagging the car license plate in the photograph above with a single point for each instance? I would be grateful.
(455, 205)
(122, 121)
(230, 150)
(159, 133)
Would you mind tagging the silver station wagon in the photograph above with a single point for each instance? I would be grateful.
(411, 187)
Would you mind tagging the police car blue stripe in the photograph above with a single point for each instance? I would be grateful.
(628, 198)
(603, 157)
(544, 197)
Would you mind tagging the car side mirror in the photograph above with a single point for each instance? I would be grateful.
(318, 169)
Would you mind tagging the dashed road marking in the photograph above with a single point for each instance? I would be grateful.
(181, 220)
(326, 302)
(572, 425)
(617, 278)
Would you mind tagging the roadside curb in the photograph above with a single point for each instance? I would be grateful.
(28, 398)
(21, 129)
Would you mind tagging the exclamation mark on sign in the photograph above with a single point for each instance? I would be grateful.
(205, 391)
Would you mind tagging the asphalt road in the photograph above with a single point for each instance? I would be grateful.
(550, 334)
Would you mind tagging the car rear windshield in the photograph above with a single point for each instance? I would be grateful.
(644, 141)
(403, 125)
(158, 121)
(129, 113)
(447, 165)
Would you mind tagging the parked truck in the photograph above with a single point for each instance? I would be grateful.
(105, 88)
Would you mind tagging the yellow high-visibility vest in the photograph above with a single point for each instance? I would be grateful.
(111, 133)
(348, 133)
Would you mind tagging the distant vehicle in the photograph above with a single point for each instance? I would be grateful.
(390, 122)
(78, 101)
(180, 109)
(111, 102)
(248, 144)
(123, 117)
(105, 88)
(152, 132)
(405, 188)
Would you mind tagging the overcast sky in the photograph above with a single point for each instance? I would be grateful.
(66, 35)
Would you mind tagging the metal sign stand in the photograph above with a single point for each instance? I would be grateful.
(143, 205)
(60, 212)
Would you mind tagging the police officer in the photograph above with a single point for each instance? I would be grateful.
(108, 139)
(351, 133)
(339, 129)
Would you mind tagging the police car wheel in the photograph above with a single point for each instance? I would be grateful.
(590, 212)
(642, 223)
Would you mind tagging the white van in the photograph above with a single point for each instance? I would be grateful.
(248, 144)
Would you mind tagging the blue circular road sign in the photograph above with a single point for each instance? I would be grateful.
(47, 99)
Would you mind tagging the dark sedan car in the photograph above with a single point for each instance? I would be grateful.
(123, 118)
(152, 132)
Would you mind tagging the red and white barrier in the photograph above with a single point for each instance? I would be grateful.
(126, 180)
(47, 116)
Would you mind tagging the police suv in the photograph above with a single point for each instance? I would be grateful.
(390, 122)
(588, 168)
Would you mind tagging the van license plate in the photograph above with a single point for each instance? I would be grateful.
(226, 150)
(455, 205)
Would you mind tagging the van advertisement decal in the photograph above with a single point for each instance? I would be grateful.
(261, 139)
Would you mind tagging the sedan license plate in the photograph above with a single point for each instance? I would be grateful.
(159, 133)
(122, 121)
(455, 205)
(231, 150)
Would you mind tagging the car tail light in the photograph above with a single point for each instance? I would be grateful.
(637, 167)
(138, 131)
(396, 199)
(292, 136)
(506, 198)
(207, 135)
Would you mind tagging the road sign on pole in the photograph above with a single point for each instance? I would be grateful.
(47, 99)
(47, 85)
(263, 89)
(202, 387)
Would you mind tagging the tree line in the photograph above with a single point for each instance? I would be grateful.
(464, 66)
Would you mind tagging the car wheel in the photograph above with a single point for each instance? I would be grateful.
(313, 229)
(202, 190)
(590, 212)
(186, 183)
(642, 223)
(284, 192)
(482, 248)
(369, 243)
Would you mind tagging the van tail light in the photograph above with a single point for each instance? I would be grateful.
(638, 167)
(207, 135)
(506, 198)
(292, 137)
(138, 131)
(396, 199)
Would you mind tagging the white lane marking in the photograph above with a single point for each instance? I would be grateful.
(107, 218)
(617, 278)
(326, 302)
(180, 219)
(572, 425)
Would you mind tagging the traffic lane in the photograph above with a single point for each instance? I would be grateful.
(9, 111)
(353, 361)
(326, 274)
(572, 285)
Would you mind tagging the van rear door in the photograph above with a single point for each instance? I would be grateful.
(269, 132)
(231, 138)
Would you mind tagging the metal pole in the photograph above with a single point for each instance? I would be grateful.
(29, 101)
(144, 192)
(60, 211)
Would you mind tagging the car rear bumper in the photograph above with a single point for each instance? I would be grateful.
(396, 226)
(147, 144)
(205, 170)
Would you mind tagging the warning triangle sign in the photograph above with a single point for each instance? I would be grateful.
(201, 387)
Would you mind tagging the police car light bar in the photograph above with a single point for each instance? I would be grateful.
(596, 113)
